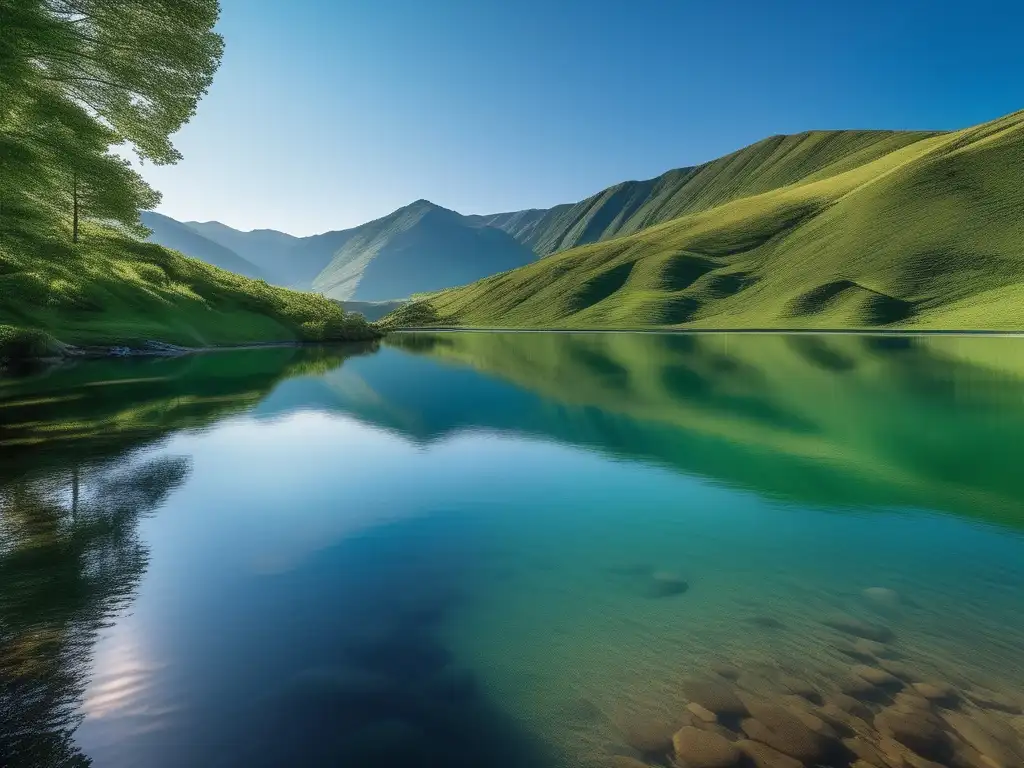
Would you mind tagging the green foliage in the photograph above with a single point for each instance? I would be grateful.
(80, 76)
(22, 344)
(927, 234)
(112, 290)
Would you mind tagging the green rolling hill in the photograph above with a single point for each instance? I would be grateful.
(181, 237)
(823, 230)
(628, 207)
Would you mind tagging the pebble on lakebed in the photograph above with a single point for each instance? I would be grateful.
(863, 716)
(665, 584)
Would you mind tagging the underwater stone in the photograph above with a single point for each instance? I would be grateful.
(666, 584)
(898, 668)
(727, 671)
(919, 731)
(937, 692)
(911, 701)
(994, 739)
(622, 761)
(783, 730)
(695, 748)
(877, 676)
(649, 737)
(715, 696)
(883, 596)
(864, 750)
(859, 688)
(763, 756)
(858, 627)
(874, 650)
(701, 713)
(993, 700)
(800, 688)
(849, 704)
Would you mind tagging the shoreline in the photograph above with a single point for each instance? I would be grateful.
(70, 353)
(746, 331)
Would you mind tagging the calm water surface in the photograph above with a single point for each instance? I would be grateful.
(517, 550)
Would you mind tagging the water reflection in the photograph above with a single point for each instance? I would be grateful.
(448, 579)
(929, 423)
(70, 560)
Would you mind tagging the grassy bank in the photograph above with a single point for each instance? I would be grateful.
(927, 235)
(110, 290)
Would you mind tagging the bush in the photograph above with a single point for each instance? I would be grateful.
(24, 344)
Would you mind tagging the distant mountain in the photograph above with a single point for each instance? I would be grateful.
(848, 229)
(419, 248)
(181, 237)
(266, 248)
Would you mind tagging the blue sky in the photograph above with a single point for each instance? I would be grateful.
(327, 114)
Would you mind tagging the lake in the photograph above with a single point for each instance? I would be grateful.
(533, 549)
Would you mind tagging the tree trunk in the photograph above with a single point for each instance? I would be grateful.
(74, 220)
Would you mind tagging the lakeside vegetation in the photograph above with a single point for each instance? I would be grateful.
(79, 83)
(925, 234)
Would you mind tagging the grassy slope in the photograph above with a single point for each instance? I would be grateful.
(421, 247)
(769, 164)
(112, 290)
(928, 235)
(180, 237)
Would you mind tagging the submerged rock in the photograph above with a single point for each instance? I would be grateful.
(763, 756)
(649, 737)
(784, 731)
(940, 693)
(993, 700)
(800, 688)
(858, 627)
(899, 669)
(877, 676)
(727, 671)
(875, 650)
(623, 761)
(995, 740)
(849, 705)
(695, 748)
(921, 732)
(861, 689)
(666, 584)
(715, 696)
(883, 597)
(701, 713)
(864, 750)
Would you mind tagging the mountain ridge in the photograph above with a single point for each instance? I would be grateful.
(903, 231)
(178, 236)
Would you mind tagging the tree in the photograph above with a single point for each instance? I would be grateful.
(80, 76)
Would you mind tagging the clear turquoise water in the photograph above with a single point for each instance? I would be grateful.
(494, 549)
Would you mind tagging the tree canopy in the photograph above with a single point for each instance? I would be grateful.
(80, 77)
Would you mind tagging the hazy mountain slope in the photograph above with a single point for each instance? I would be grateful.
(266, 248)
(180, 237)
(762, 167)
(421, 247)
(928, 235)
